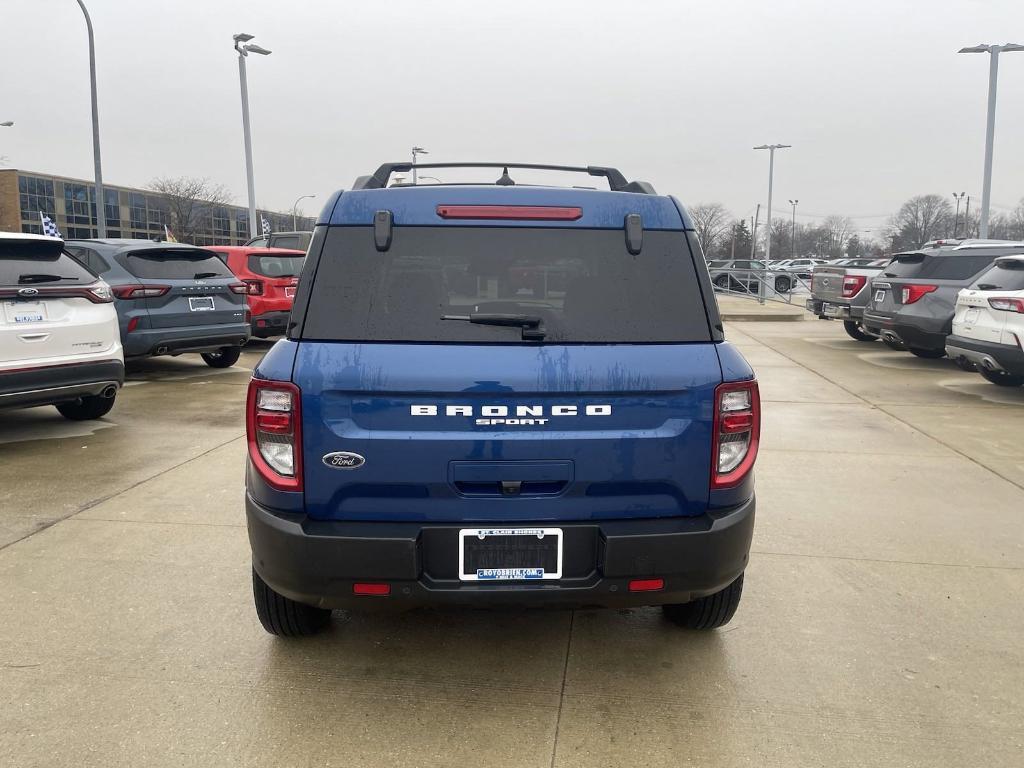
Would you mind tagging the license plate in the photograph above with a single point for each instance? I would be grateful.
(200, 303)
(289, 293)
(831, 310)
(879, 296)
(510, 554)
(22, 312)
(972, 315)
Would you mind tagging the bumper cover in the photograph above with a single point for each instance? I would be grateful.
(273, 324)
(173, 341)
(317, 562)
(51, 384)
(990, 355)
(909, 335)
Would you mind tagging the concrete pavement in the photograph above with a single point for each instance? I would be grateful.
(880, 625)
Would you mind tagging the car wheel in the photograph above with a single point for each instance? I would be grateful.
(1001, 378)
(722, 281)
(224, 357)
(709, 612)
(895, 345)
(284, 617)
(927, 354)
(783, 284)
(86, 408)
(854, 331)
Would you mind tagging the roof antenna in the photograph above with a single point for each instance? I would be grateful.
(505, 180)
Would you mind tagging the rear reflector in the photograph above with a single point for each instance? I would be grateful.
(517, 212)
(646, 585)
(371, 589)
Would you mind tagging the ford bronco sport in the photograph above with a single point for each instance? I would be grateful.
(501, 394)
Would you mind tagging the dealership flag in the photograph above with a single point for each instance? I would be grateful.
(49, 228)
(168, 236)
(266, 225)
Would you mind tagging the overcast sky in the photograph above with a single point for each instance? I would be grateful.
(871, 93)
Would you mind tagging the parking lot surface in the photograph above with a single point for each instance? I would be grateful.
(881, 623)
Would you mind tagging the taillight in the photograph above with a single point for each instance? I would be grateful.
(241, 288)
(736, 433)
(132, 324)
(852, 285)
(140, 291)
(254, 287)
(274, 433)
(519, 212)
(1007, 305)
(912, 293)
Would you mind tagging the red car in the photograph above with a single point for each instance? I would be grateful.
(272, 275)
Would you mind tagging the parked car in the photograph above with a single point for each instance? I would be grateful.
(297, 241)
(413, 443)
(745, 276)
(802, 268)
(271, 276)
(912, 300)
(988, 327)
(59, 343)
(170, 298)
(842, 292)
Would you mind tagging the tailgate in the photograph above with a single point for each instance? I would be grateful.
(974, 317)
(55, 327)
(552, 433)
(827, 283)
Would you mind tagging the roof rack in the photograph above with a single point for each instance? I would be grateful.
(616, 181)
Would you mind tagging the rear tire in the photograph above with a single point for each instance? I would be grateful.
(927, 354)
(783, 284)
(854, 331)
(86, 408)
(709, 612)
(722, 281)
(1001, 378)
(284, 617)
(224, 357)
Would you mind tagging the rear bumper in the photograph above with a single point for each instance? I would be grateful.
(270, 323)
(51, 384)
(987, 354)
(908, 335)
(173, 341)
(317, 562)
(840, 311)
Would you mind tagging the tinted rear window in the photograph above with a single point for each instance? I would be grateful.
(35, 263)
(298, 242)
(173, 264)
(1004, 275)
(276, 266)
(582, 283)
(925, 267)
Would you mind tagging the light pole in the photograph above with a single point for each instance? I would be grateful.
(768, 217)
(990, 129)
(101, 213)
(956, 219)
(295, 209)
(244, 48)
(416, 151)
(793, 231)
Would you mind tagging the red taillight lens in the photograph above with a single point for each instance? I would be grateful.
(736, 432)
(140, 291)
(241, 288)
(273, 431)
(852, 285)
(520, 212)
(646, 585)
(254, 287)
(912, 293)
(1007, 305)
(371, 589)
(132, 324)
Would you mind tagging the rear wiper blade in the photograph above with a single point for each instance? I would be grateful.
(989, 287)
(42, 278)
(529, 323)
(201, 275)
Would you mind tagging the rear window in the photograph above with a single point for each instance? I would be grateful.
(582, 283)
(1004, 275)
(925, 267)
(39, 263)
(174, 264)
(276, 266)
(298, 242)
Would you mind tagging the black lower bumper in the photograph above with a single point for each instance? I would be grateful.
(47, 385)
(909, 335)
(318, 563)
(994, 357)
(270, 324)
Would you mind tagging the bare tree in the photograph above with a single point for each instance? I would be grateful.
(920, 219)
(190, 202)
(712, 223)
(839, 229)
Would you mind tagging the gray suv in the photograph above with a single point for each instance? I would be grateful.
(170, 298)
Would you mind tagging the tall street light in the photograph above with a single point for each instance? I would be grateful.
(792, 236)
(244, 48)
(101, 208)
(768, 219)
(956, 219)
(416, 151)
(295, 211)
(993, 73)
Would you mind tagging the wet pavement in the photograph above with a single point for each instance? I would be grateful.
(881, 622)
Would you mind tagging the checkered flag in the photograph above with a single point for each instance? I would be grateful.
(49, 228)
(266, 225)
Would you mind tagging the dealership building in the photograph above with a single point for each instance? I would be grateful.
(130, 212)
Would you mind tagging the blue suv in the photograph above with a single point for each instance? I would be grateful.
(501, 394)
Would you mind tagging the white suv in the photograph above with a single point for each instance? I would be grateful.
(988, 327)
(59, 340)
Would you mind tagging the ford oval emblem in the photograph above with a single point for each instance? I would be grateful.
(28, 291)
(344, 460)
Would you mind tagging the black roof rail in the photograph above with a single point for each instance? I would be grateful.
(616, 181)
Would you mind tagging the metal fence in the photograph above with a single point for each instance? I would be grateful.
(783, 287)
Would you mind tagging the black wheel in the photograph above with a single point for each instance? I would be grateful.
(224, 357)
(854, 331)
(1001, 378)
(722, 281)
(86, 408)
(783, 284)
(893, 345)
(927, 354)
(283, 617)
(709, 612)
